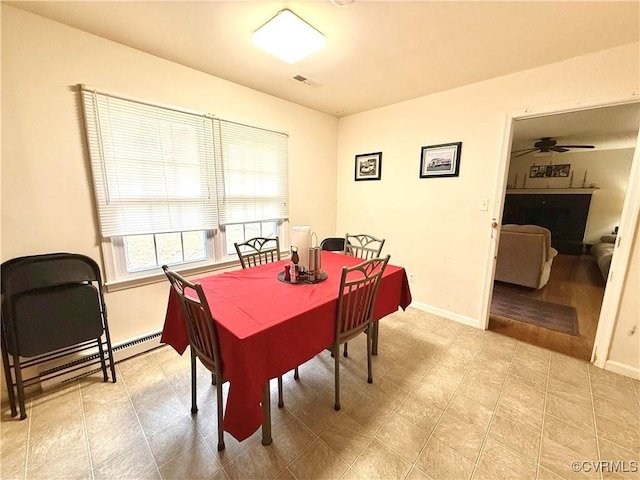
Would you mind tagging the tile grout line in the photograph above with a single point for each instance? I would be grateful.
(493, 414)
(544, 416)
(135, 410)
(26, 453)
(595, 424)
(86, 430)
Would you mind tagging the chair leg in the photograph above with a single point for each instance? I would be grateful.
(7, 374)
(103, 364)
(213, 378)
(280, 400)
(374, 348)
(345, 349)
(337, 377)
(220, 417)
(295, 374)
(370, 377)
(194, 404)
(19, 386)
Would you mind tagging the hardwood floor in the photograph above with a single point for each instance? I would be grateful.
(575, 280)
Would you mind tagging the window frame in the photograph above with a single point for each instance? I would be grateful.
(117, 277)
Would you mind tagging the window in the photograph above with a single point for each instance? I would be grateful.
(240, 232)
(178, 187)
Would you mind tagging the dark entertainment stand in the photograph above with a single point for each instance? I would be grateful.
(565, 214)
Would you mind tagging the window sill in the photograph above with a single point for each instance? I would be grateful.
(157, 277)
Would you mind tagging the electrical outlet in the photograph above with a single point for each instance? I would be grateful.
(412, 277)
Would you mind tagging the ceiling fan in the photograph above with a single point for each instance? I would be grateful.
(547, 144)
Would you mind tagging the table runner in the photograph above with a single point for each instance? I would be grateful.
(267, 327)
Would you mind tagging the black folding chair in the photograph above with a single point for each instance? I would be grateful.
(333, 244)
(52, 307)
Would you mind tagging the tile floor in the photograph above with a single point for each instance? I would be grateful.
(447, 402)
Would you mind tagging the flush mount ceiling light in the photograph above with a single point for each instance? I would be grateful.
(288, 37)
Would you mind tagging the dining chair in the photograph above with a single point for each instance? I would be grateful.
(363, 246)
(354, 312)
(203, 341)
(258, 251)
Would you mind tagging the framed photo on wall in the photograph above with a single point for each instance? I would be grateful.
(368, 166)
(549, 171)
(440, 160)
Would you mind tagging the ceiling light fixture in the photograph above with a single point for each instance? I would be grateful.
(288, 37)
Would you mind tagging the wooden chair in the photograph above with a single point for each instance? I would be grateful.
(363, 246)
(203, 341)
(258, 251)
(354, 313)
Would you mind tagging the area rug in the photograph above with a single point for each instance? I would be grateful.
(562, 318)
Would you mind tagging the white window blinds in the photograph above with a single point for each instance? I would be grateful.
(253, 184)
(153, 167)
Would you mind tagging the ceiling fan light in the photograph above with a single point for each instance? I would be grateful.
(288, 37)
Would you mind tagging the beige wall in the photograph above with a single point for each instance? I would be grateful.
(608, 169)
(47, 203)
(434, 227)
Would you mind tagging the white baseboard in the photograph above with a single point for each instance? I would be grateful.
(456, 317)
(622, 369)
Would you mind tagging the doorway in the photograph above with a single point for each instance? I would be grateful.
(575, 278)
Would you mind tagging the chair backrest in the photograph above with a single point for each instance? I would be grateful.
(257, 251)
(203, 334)
(363, 246)
(333, 244)
(357, 296)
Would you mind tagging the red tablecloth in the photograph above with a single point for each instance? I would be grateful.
(267, 327)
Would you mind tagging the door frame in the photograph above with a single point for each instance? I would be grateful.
(626, 230)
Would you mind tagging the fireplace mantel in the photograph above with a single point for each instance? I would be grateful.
(538, 191)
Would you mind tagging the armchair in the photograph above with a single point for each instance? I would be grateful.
(525, 255)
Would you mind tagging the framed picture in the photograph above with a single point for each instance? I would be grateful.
(368, 166)
(540, 171)
(440, 160)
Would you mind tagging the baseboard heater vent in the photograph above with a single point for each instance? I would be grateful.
(84, 366)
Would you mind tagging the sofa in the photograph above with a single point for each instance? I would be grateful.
(602, 252)
(525, 255)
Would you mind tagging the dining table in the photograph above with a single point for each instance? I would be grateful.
(267, 326)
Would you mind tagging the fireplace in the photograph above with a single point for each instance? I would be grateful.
(565, 214)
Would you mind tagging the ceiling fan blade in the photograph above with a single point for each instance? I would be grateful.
(524, 152)
(560, 149)
(576, 146)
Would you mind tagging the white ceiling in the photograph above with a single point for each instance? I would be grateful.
(378, 52)
(605, 128)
